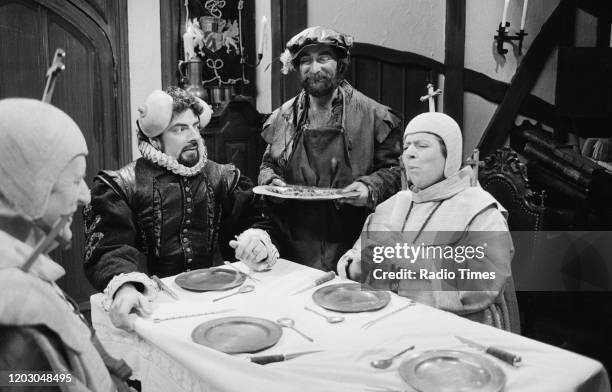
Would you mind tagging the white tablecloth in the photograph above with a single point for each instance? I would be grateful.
(165, 358)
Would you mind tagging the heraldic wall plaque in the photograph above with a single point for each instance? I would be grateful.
(218, 39)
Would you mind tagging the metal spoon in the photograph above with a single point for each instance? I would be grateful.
(330, 319)
(243, 289)
(289, 323)
(385, 363)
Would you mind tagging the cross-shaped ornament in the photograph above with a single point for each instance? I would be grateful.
(430, 96)
(475, 163)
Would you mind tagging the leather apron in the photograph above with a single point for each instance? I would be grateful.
(319, 232)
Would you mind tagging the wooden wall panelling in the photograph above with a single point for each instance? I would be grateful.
(239, 139)
(92, 89)
(526, 75)
(170, 38)
(403, 77)
(233, 137)
(13, 17)
(393, 87)
(367, 77)
(294, 21)
(278, 45)
(288, 17)
(394, 78)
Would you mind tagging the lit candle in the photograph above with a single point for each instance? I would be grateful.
(524, 15)
(503, 21)
(262, 32)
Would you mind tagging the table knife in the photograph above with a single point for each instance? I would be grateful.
(498, 353)
(264, 359)
(164, 287)
(161, 319)
(325, 278)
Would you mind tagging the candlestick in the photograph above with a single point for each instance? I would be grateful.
(262, 31)
(524, 15)
(505, 13)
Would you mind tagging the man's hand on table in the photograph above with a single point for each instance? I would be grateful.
(352, 259)
(254, 248)
(127, 301)
(362, 197)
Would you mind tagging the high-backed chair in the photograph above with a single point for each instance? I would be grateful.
(505, 177)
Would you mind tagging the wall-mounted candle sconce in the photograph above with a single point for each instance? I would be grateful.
(503, 36)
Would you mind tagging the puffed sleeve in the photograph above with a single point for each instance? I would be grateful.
(111, 234)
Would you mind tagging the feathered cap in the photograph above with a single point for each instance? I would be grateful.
(314, 36)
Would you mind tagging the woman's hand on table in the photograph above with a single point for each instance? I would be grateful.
(352, 260)
(127, 301)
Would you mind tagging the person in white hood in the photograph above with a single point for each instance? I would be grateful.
(42, 169)
(439, 210)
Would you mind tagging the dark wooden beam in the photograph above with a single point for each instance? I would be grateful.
(603, 32)
(122, 70)
(566, 38)
(278, 45)
(597, 8)
(525, 77)
(494, 91)
(454, 55)
(289, 17)
(170, 24)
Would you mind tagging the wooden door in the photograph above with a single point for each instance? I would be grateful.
(93, 89)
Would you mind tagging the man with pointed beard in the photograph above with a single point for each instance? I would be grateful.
(170, 211)
(330, 135)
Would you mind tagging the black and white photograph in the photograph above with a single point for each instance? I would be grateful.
(306, 195)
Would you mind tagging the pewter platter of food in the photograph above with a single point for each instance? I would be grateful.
(300, 192)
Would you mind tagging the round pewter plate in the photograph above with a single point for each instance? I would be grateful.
(210, 279)
(234, 335)
(450, 370)
(349, 298)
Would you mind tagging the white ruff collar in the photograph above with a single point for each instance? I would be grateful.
(166, 161)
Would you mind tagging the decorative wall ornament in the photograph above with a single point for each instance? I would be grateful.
(213, 38)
